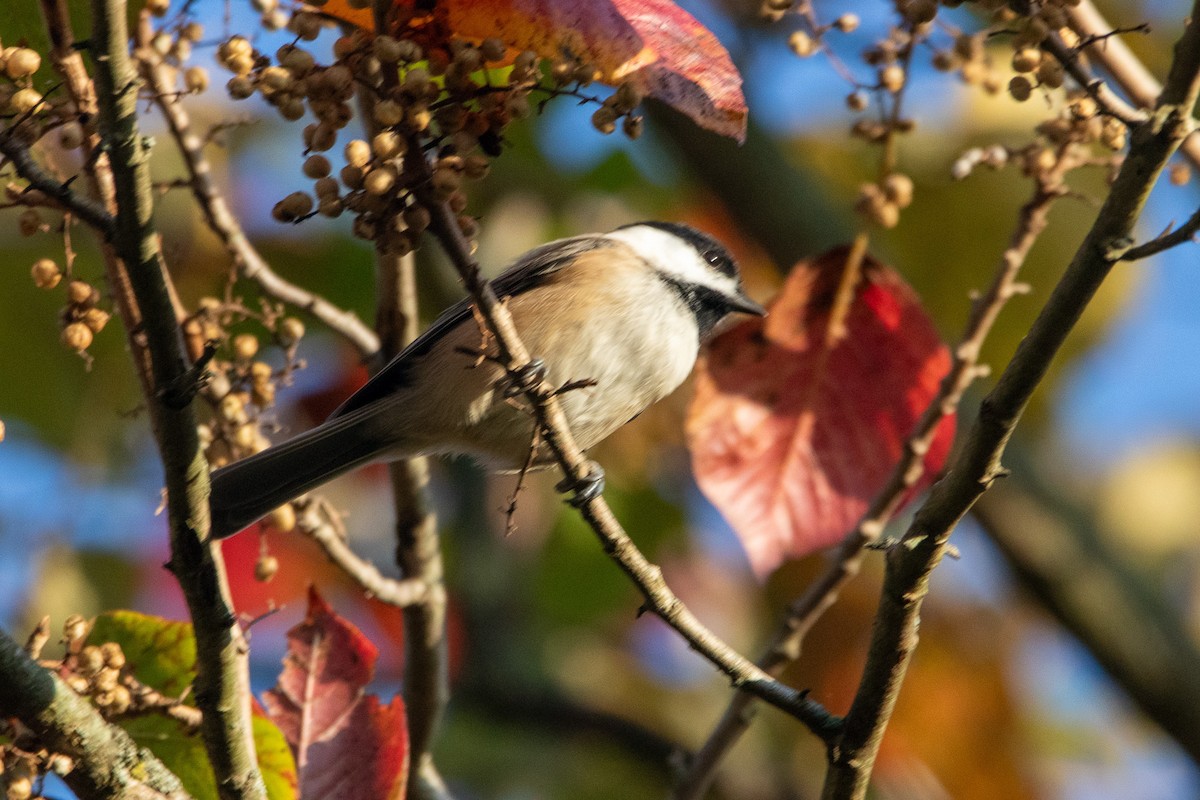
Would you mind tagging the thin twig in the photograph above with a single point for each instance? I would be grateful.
(977, 465)
(313, 520)
(1106, 99)
(659, 599)
(1165, 241)
(148, 700)
(222, 676)
(224, 222)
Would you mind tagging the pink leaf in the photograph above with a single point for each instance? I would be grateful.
(791, 438)
(346, 744)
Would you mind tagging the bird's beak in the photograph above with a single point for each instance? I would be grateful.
(739, 302)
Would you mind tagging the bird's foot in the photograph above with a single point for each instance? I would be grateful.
(526, 378)
(587, 488)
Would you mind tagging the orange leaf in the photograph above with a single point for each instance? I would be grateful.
(792, 437)
(653, 44)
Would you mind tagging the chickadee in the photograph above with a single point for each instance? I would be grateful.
(626, 311)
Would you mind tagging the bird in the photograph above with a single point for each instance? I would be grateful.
(620, 316)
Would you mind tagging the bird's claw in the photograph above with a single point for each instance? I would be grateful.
(526, 378)
(587, 488)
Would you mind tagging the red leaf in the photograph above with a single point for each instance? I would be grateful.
(347, 744)
(654, 44)
(791, 439)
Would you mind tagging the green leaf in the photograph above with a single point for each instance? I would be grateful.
(275, 760)
(161, 652)
(181, 750)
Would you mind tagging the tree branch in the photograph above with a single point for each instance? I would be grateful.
(786, 644)
(108, 763)
(313, 521)
(222, 680)
(83, 207)
(224, 222)
(977, 464)
(418, 545)
(659, 599)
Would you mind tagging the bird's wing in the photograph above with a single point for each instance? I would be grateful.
(532, 269)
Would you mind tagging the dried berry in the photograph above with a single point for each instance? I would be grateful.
(22, 62)
(290, 331)
(358, 153)
(293, 207)
(802, 44)
(95, 319)
(77, 336)
(265, 568)
(196, 79)
(1020, 88)
(316, 166)
(46, 274)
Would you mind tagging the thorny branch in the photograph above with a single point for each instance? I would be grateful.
(977, 464)
(787, 641)
(659, 599)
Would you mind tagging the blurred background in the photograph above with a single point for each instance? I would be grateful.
(1080, 567)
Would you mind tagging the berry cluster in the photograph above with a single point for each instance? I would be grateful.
(1020, 50)
(454, 100)
(81, 318)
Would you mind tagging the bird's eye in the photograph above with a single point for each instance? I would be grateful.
(713, 257)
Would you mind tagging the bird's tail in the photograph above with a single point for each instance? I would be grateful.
(248, 490)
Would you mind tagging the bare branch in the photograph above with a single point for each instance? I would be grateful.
(315, 522)
(108, 763)
(68, 63)
(418, 545)
(222, 679)
(59, 192)
(1108, 100)
(786, 644)
(659, 599)
(977, 464)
